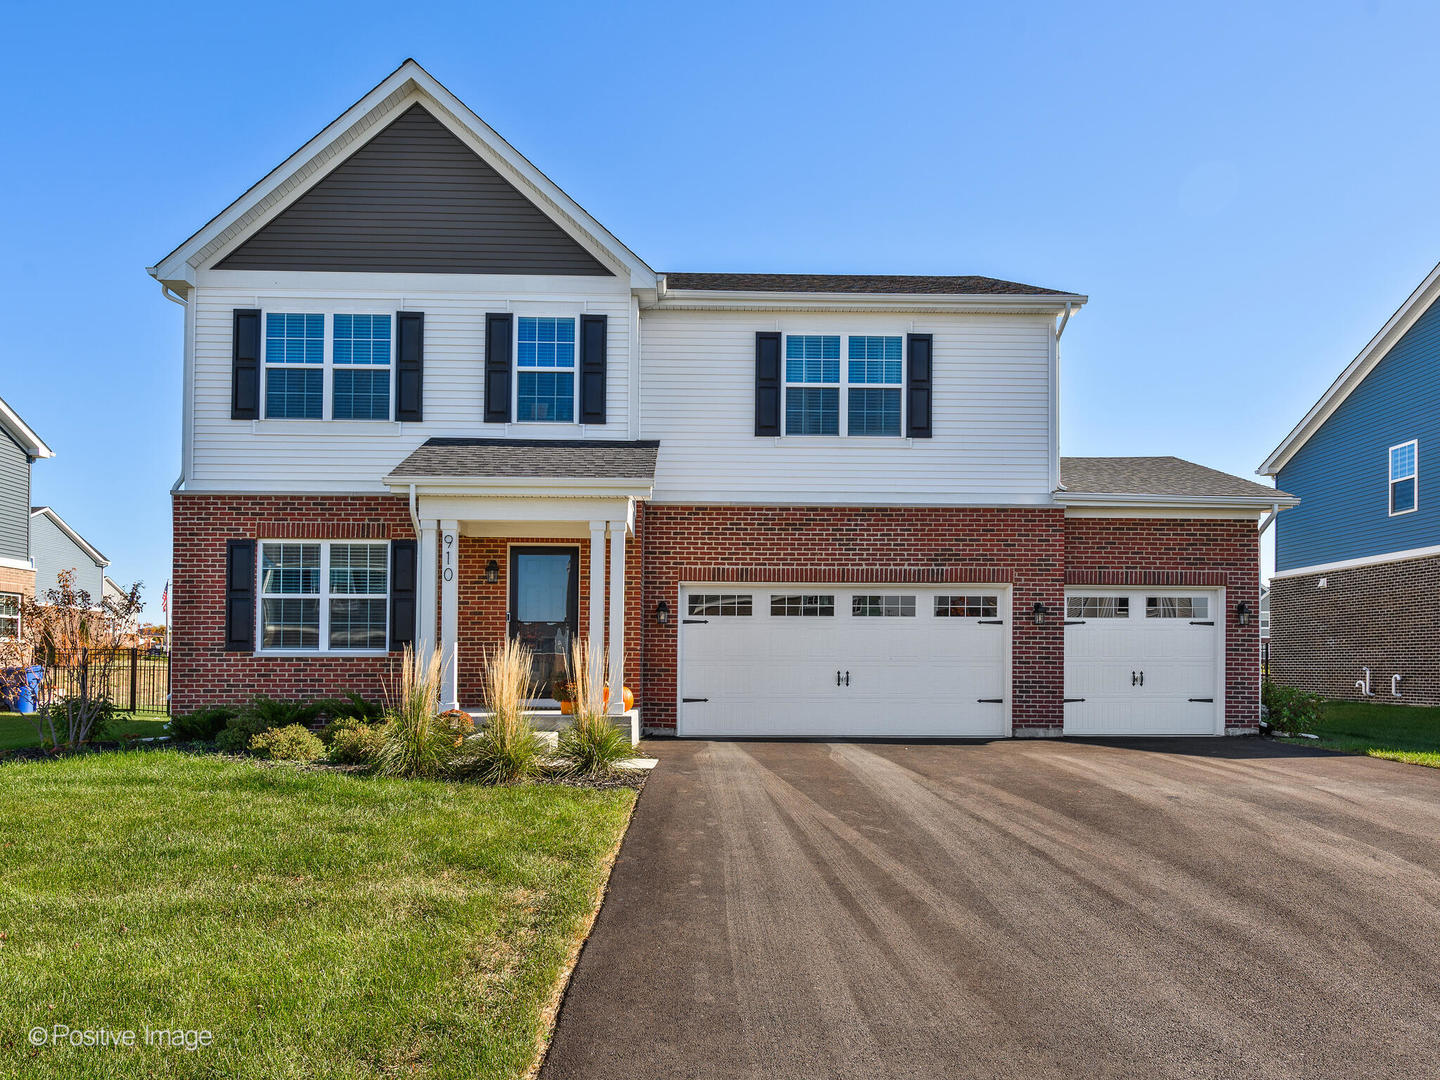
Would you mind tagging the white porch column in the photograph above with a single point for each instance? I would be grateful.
(596, 631)
(617, 617)
(449, 613)
(425, 606)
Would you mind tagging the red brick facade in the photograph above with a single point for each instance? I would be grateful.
(1035, 550)
(1183, 551)
(1385, 617)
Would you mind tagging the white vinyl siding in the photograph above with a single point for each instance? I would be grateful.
(353, 455)
(991, 414)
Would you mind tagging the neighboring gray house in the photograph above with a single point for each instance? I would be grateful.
(19, 448)
(55, 546)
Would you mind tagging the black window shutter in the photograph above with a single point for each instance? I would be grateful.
(239, 594)
(402, 593)
(593, 333)
(245, 365)
(498, 353)
(918, 378)
(409, 365)
(767, 382)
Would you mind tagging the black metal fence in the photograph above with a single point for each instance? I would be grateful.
(136, 680)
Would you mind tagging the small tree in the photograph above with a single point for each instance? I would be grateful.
(65, 630)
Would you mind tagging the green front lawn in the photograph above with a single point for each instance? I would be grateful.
(17, 731)
(1406, 733)
(317, 923)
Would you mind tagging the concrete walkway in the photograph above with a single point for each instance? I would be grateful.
(1221, 908)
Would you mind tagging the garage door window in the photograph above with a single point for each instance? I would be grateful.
(802, 604)
(720, 604)
(1177, 607)
(1097, 607)
(864, 606)
(967, 607)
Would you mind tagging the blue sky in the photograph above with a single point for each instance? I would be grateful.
(1245, 192)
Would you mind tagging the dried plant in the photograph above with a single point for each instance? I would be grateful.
(592, 745)
(79, 643)
(416, 744)
(507, 748)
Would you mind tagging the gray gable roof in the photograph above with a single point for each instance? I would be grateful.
(965, 285)
(578, 458)
(1155, 476)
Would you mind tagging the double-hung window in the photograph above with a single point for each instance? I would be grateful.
(545, 370)
(1404, 478)
(321, 366)
(9, 616)
(319, 596)
(869, 382)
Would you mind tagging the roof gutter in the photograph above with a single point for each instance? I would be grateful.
(1269, 519)
(1064, 319)
(1198, 502)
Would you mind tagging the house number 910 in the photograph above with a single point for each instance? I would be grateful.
(449, 571)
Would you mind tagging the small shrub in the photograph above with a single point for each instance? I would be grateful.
(293, 742)
(74, 721)
(415, 743)
(351, 707)
(358, 745)
(591, 746)
(202, 725)
(339, 725)
(1291, 709)
(507, 748)
(261, 714)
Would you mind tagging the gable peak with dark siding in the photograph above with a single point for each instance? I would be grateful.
(415, 199)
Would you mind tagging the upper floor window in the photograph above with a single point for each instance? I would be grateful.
(545, 370)
(311, 376)
(869, 382)
(1404, 476)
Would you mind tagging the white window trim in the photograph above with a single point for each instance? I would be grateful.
(515, 369)
(1415, 476)
(323, 597)
(19, 604)
(844, 386)
(327, 368)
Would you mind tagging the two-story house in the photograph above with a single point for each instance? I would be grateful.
(429, 400)
(20, 447)
(1356, 590)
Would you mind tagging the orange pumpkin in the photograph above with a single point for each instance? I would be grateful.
(626, 695)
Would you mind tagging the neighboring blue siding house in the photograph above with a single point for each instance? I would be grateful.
(1357, 581)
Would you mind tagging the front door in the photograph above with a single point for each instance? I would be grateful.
(544, 608)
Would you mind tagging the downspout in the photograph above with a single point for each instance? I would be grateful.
(414, 513)
(1269, 518)
(174, 298)
(1063, 320)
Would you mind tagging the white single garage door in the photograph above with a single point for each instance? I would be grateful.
(1144, 662)
(837, 662)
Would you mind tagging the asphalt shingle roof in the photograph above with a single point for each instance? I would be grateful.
(1154, 476)
(579, 458)
(858, 283)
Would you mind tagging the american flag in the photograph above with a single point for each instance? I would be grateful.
(165, 599)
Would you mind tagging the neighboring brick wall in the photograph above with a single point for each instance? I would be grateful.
(1385, 617)
(1183, 551)
(1024, 545)
(202, 672)
(13, 580)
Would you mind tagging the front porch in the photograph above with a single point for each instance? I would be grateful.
(527, 539)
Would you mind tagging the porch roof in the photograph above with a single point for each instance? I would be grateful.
(519, 459)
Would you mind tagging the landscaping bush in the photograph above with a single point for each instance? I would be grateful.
(1291, 709)
(591, 746)
(261, 714)
(415, 743)
(83, 720)
(340, 724)
(351, 707)
(293, 742)
(507, 747)
(202, 725)
(357, 745)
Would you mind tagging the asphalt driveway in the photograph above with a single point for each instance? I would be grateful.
(1016, 909)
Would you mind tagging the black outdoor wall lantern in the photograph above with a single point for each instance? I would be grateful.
(1242, 612)
(492, 572)
(1038, 613)
(662, 613)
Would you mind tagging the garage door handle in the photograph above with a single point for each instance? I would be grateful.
(991, 622)
(842, 680)
(990, 700)
(1068, 700)
(687, 622)
(1202, 622)
(1137, 678)
(1075, 622)
(1202, 699)
(687, 700)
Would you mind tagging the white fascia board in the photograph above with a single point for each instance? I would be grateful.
(79, 541)
(1403, 319)
(510, 487)
(413, 82)
(22, 433)
(734, 300)
(9, 562)
(1353, 564)
(1180, 502)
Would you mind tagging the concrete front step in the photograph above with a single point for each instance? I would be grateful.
(554, 721)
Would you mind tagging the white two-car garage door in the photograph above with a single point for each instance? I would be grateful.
(854, 661)
(1144, 662)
